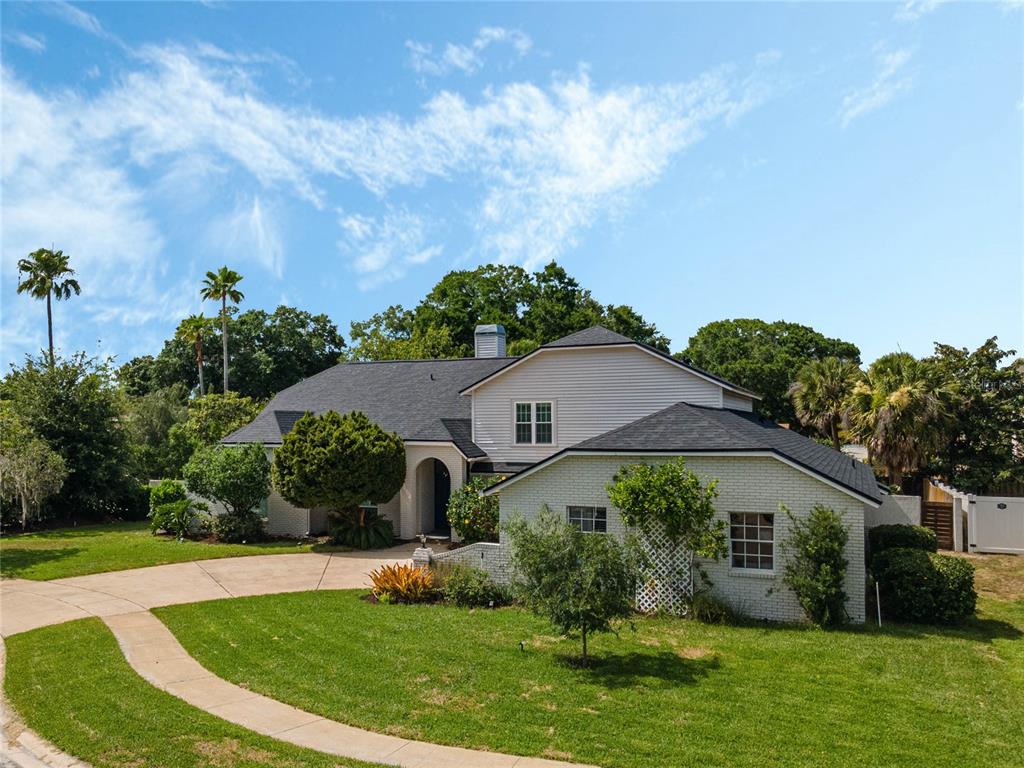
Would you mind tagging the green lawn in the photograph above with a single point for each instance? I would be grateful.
(115, 547)
(71, 684)
(674, 693)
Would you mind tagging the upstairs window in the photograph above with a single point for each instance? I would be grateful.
(534, 423)
(752, 540)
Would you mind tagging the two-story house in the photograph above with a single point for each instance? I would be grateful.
(558, 423)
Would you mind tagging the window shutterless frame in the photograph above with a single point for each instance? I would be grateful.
(588, 519)
(533, 423)
(752, 541)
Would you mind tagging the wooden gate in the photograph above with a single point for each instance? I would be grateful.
(938, 515)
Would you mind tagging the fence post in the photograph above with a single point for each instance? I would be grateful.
(958, 524)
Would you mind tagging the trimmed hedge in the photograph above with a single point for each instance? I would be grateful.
(924, 587)
(883, 537)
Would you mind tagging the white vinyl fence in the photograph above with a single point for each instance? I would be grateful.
(994, 523)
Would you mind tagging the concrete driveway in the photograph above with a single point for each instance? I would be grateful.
(25, 605)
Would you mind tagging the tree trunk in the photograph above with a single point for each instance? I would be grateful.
(49, 327)
(199, 362)
(896, 477)
(584, 633)
(835, 437)
(224, 337)
(24, 512)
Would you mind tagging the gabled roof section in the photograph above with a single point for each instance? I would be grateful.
(413, 398)
(692, 429)
(599, 336)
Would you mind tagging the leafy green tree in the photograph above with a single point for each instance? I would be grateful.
(580, 582)
(472, 516)
(339, 462)
(670, 499)
(816, 568)
(986, 435)
(237, 476)
(821, 394)
(147, 423)
(222, 286)
(74, 406)
(900, 411)
(763, 357)
(534, 309)
(47, 273)
(191, 331)
(30, 471)
(209, 419)
(136, 376)
(270, 352)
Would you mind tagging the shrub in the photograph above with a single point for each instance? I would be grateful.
(816, 569)
(134, 502)
(579, 581)
(472, 516)
(919, 586)
(470, 587)
(400, 583)
(237, 528)
(364, 529)
(883, 537)
(708, 609)
(176, 517)
(161, 496)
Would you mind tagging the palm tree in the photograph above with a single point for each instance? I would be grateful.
(220, 286)
(191, 330)
(820, 395)
(898, 410)
(45, 268)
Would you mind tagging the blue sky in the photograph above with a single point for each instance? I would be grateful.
(854, 167)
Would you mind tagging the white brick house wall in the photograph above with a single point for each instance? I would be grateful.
(746, 484)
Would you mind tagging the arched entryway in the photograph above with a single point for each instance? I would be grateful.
(433, 489)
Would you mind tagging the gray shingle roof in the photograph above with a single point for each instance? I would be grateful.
(418, 399)
(682, 428)
(595, 334)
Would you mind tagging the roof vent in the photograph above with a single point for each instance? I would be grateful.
(489, 341)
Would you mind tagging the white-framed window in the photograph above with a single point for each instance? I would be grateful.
(588, 519)
(534, 423)
(752, 540)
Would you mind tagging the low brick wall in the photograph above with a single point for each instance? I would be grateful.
(493, 559)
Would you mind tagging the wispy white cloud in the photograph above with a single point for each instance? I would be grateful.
(889, 82)
(74, 16)
(383, 248)
(250, 231)
(34, 43)
(912, 10)
(465, 58)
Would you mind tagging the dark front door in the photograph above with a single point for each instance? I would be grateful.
(442, 490)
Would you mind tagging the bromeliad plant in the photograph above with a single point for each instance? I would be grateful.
(399, 583)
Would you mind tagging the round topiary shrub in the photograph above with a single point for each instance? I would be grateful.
(883, 537)
(924, 587)
(472, 516)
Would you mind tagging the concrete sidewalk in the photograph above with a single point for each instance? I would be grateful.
(158, 657)
(26, 605)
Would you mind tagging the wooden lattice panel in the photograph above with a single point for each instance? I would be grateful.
(666, 584)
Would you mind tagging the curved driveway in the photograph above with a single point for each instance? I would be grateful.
(123, 599)
(25, 605)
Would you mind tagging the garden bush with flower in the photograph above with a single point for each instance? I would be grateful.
(472, 516)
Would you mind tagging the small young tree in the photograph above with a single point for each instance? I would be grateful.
(339, 462)
(579, 581)
(670, 500)
(30, 472)
(816, 569)
(239, 478)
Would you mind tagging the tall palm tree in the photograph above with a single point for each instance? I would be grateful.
(191, 330)
(899, 410)
(220, 286)
(820, 395)
(44, 269)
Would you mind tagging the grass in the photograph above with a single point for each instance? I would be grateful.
(93, 706)
(97, 548)
(673, 693)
